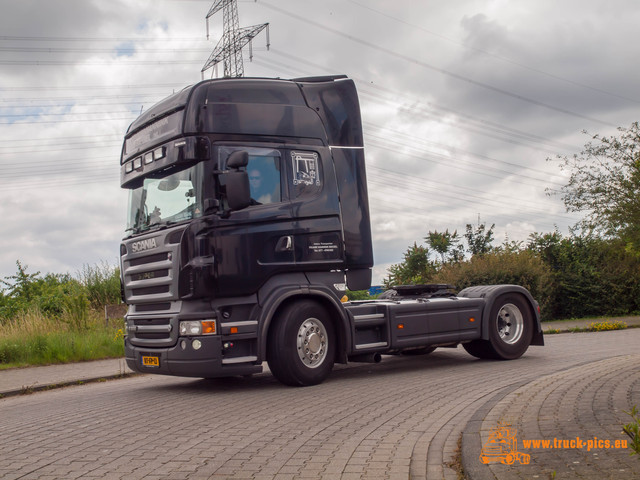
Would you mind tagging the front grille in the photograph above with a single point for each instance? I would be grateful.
(151, 276)
(150, 290)
(152, 331)
(152, 328)
(153, 307)
(159, 257)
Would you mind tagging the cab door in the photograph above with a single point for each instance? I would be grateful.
(292, 225)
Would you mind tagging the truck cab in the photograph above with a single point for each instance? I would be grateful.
(248, 219)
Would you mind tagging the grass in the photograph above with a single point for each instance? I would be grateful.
(33, 339)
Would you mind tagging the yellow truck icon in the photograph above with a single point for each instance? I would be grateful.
(502, 446)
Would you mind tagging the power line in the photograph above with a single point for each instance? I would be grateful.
(121, 60)
(91, 87)
(106, 119)
(490, 54)
(426, 65)
(116, 49)
(504, 133)
(97, 39)
(454, 151)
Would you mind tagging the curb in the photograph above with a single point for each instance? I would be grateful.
(471, 441)
(27, 390)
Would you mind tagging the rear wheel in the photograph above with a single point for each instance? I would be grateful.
(510, 329)
(301, 348)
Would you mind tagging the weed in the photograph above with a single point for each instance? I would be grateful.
(26, 390)
(633, 430)
(456, 462)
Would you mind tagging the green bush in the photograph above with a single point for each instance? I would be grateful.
(102, 284)
(60, 296)
(522, 268)
(591, 276)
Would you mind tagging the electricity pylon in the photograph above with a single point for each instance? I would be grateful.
(229, 47)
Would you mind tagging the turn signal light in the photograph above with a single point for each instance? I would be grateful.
(208, 327)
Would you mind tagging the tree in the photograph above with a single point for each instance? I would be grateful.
(415, 269)
(21, 284)
(445, 244)
(479, 241)
(605, 184)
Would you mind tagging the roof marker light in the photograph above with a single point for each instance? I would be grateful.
(158, 153)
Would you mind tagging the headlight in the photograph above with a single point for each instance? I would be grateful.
(197, 327)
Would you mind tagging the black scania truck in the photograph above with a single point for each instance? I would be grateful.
(249, 218)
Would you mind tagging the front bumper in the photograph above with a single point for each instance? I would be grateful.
(183, 360)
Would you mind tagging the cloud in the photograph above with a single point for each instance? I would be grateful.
(462, 105)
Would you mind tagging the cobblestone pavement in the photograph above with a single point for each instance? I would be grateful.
(578, 412)
(399, 419)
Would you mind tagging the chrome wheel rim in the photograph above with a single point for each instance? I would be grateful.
(510, 323)
(312, 342)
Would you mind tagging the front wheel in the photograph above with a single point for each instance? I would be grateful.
(302, 344)
(510, 329)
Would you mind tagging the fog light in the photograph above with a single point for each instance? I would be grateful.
(196, 344)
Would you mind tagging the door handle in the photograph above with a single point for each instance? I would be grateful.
(285, 244)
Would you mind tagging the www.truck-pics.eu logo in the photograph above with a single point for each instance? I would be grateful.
(502, 447)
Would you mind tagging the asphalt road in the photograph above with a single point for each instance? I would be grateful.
(398, 419)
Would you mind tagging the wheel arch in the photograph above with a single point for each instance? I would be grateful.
(284, 296)
(491, 292)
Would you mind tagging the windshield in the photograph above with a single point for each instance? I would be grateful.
(164, 200)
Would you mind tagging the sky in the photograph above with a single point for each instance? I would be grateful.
(463, 103)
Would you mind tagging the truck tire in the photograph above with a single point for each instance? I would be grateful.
(302, 344)
(510, 329)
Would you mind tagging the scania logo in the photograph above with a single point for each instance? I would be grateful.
(143, 245)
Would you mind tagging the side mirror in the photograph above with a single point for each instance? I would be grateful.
(238, 190)
(236, 181)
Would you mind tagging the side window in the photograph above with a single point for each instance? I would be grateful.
(264, 178)
(306, 174)
(264, 171)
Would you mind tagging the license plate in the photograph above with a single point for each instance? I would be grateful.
(150, 361)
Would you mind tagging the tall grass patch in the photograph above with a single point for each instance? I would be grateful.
(31, 338)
